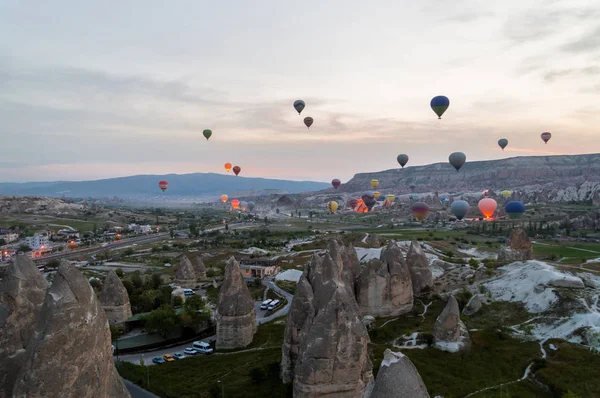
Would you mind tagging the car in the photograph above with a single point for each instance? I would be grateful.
(265, 304)
(178, 355)
(273, 304)
(202, 347)
(168, 358)
(190, 351)
(158, 360)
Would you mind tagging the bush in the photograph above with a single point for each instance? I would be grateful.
(257, 375)
(473, 263)
(120, 272)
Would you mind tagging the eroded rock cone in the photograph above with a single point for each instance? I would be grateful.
(373, 241)
(421, 276)
(236, 314)
(346, 261)
(199, 268)
(115, 300)
(449, 332)
(517, 248)
(185, 275)
(71, 353)
(22, 293)
(398, 377)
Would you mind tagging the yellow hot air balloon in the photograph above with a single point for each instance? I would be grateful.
(506, 193)
(224, 198)
(389, 199)
(376, 195)
(374, 183)
(332, 206)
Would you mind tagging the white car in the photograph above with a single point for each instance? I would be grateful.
(202, 347)
(190, 351)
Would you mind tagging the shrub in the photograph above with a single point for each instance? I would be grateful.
(120, 272)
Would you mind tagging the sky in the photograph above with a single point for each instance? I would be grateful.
(94, 89)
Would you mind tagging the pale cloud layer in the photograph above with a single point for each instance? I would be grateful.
(101, 89)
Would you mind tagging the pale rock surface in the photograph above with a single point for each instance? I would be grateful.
(398, 378)
(474, 305)
(178, 292)
(345, 255)
(185, 275)
(115, 300)
(373, 241)
(449, 332)
(418, 264)
(235, 314)
(517, 248)
(199, 268)
(22, 293)
(71, 353)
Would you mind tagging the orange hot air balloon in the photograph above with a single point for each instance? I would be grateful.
(487, 207)
(163, 185)
(224, 198)
(227, 167)
(235, 204)
(237, 169)
(72, 245)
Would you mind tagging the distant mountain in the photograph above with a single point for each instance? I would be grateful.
(180, 185)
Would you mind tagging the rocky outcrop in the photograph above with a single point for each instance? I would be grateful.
(384, 287)
(398, 377)
(235, 314)
(345, 255)
(421, 276)
(449, 332)
(199, 268)
(178, 292)
(373, 241)
(185, 275)
(517, 248)
(71, 354)
(474, 305)
(22, 293)
(115, 300)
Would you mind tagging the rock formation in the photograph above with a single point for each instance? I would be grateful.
(420, 273)
(373, 241)
(449, 332)
(325, 342)
(235, 314)
(199, 268)
(398, 377)
(185, 275)
(115, 300)
(345, 255)
(384, 287)
(22, 293)
(517, 248)
(474, 305)
(71, 353)
(178, 292)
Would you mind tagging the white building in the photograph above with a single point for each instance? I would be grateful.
(9, 237)
(143, 229)
(37, 241)
(131, 227)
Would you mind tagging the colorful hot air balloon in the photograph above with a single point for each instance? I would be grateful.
(352, 203)
(515, 209)
(374, 183)
(389, 199)
(412, 187)
(235, 204)
(227, 167)
(207, 133)
(251, 206)
(439, 105)
(361, 207)
(308, 121)
(163, 185)
(376, 195)
(332, 206)
(243, 205)
(299, 106)
(224, 198)
(506, 193)
(485, 193)
(502, 142)
(460, 208)
(420, 210)
(72, 245)
(402, 159)
(487, 207)
(368, 198)
(237, 169)
(546, 137)
(336, 183)
(457, 159)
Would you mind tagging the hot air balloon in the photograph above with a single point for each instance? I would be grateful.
(460, 208)
(299, 106)
(457, 159)
(336, 183)
(352, 203)
(502, 142)
(376, 195)
(251, 206)
(243, 205)
(389, 199)
(546, 137)
(235, 204)
(506, 193)
(414, 197)
(361, 207)
(368, 198)
(412, 187)
(332, 206)
(207, 133)
(485, 193)
(374, 183)
(72, 245)
(237, 169)
(439, 105)
(487, 207)
(227, 167)
(444, 200)
(420, 210)
(515, 209)
(224, 198)
(308, 121)
(163, 185)
(402, 159)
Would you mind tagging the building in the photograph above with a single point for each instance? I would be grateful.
(139, 229)
(259, 267)
(9, 236)
(38, 241)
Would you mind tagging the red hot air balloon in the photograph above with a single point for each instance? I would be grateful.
(235, 204)
(487, 207)
(237, 169)
(352, 203)
(336, 183)
(546, 137)
(163, 185)
(420, 210)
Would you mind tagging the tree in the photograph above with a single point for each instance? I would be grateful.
(172, 233)
(2, 242)
(120, 272)
(137, 280)
(129, 286)
(24, 248)
(115, 332)
(194, 303)
(156, 280)
(177, 301)
(162, 321)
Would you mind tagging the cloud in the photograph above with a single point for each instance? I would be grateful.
(589, 71)
(589, 42)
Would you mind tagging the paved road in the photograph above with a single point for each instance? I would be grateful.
(282, 311)
(138, 392)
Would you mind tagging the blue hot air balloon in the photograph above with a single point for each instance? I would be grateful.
(460, 208)
(515, 209)
(439, 105)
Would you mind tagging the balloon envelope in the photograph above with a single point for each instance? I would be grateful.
(546, 137)
(460, 208)
(402, 159)
(352, 203)
(308, 121)
(412, 187)
(299, 106)
(487, 207)
(376, 195)
(237, 169)
(251, 206)
(515, 209)
(235, 203)
(227, 167)
(207, 133)
(224, 198)
(336, 183)
(420, 210)
(332, 206)
(389, 199)
(439, 105)
(163, 185)
(502, 142)
(368, 198)
(374, 183)
(457, 159)
(243, 205)
(506, 193)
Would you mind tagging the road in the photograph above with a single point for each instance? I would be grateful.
(137, 392)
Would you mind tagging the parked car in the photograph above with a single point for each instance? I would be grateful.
(202, 347)
(178, 355)
(190, 351)
(265, 304)
(168, 358)
(158, 360)
(273, 304)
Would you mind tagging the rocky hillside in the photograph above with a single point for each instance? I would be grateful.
(39, 205)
